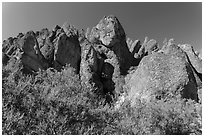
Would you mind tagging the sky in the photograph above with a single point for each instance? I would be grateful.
(181, 21)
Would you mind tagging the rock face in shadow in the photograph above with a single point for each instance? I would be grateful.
(164, 74)
(67, 49)
(32, 58)
(5, 59)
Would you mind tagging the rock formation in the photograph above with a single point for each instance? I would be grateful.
(67, 49)
(102, 56)
(193, 58)
(47, 51)
(32, 58)
(109, 33)
(163, 74)
(89, 68)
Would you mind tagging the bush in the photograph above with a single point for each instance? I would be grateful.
(54, 102)
(168, 117)
(49, 103)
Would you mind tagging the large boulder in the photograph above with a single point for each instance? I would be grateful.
(31, 57)
(89, 68)
(67, 49)
(163, 74)
(110, 34)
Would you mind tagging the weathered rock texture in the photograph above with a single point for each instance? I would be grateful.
(109, 33)
(193, 58)
(89, 68)
(67, 49)
(164, 74)
(102, 56)
(32, 58)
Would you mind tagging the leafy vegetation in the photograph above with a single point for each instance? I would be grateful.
(55, 103)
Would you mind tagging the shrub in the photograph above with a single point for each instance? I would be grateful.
(54, 102)
(49, 103)
(175, 116)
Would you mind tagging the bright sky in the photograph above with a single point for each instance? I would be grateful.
(181, 21)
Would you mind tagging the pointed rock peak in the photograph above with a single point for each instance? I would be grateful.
(112, 22)
(70, 30)
(20, 35)
(44, 33)
(56, 28)
(30, 33)
(108, 31)
(145, 40)
(186, 47)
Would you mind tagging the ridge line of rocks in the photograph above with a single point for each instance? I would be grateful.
(103, 56)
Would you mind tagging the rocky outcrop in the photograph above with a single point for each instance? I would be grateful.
(193, 58)
(99, 69)
(89, 68)
(45, 44)
(109, 33)
(103, 56)
(41, 36)
(46, 48)
(139, 50)
(67, 49)
(147, 48)
(32, 58)
(166, 73)
(7, 44)
(47, 51)
(151, 46)
(195, 61)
